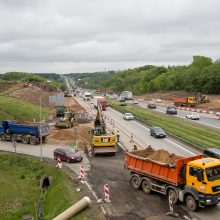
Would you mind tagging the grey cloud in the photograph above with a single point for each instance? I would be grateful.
(86, 35)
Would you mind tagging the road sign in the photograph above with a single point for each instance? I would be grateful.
(58, 98)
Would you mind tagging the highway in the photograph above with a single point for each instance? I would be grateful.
(205, 119)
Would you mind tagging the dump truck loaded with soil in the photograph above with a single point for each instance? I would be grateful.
(23, 131)
(191, 180)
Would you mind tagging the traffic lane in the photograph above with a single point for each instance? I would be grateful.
(142, 135)
(205, 119)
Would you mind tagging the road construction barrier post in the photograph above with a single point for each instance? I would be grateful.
(59, 163)
(74, 209)
(106, 193)
(81, 175)
(89, 150)
(171, 212)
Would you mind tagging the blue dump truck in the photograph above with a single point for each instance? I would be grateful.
(24, 132)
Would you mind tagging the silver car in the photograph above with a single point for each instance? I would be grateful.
(193, 116)
(128, 116)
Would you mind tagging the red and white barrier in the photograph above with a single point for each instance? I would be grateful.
(106, 193)
(81, 175)
(89, 151)
(59, 163)
(171, 212)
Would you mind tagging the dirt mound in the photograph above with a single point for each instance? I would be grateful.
(32, 95)
(7, 85)
(157, 155)
(61, 135)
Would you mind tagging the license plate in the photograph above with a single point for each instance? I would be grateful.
(105, 140)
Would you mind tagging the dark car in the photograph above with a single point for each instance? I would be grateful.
(157, 132)
(68, 154)
(151, 106)
(212, 152)
(171, 110)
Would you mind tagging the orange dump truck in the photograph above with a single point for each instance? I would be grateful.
(189, 101)
(186, 179)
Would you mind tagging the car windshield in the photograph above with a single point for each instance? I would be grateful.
(70, 151)
(158, 130)
(128, 114)
(213, 173)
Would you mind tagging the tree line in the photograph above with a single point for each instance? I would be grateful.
(202, 75)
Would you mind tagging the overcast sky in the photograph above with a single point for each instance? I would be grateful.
(65, 36)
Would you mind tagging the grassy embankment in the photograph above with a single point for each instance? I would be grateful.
(12, 108)
(20, 188)
(195, 134)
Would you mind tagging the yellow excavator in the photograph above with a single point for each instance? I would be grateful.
(102, 142)
(201, 98)
(68, 119)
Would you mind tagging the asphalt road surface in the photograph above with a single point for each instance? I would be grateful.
(205, 119)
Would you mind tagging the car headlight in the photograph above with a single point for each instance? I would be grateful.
(208, 201)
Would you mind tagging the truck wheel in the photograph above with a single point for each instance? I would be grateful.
(135, 181)
(33, 140)
(173, 196)
(191, 203)
(3, 137)
(25, 139)
(146, 186)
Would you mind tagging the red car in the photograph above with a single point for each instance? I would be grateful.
(68, 154)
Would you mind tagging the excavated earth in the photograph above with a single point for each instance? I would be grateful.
(157, 155)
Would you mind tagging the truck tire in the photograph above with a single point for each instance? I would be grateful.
(13, 137)
(3, 137)
(135, 181)
(173, 196)
(191, 203)
(25, 139)
(146, 186)
(33, 140)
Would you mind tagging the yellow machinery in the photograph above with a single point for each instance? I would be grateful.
(102, 142)
(67, 121)
(201, 98)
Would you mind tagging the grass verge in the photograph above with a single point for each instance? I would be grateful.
(195, 134)
(20, 188)
(11, 108)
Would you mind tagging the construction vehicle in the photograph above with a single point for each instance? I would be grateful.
(60, 110)
(23, 131)
(67, 121)
(127, 95)
(188, 101)
(194, 180)
(102, 142)
(201, 98)
(100, 100)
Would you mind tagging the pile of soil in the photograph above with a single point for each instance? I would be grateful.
(7, 85)
(32, 95)
(157, 155)
(61, 135)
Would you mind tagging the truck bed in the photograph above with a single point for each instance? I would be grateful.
(169, 173)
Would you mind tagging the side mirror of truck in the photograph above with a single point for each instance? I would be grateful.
(200, 175)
